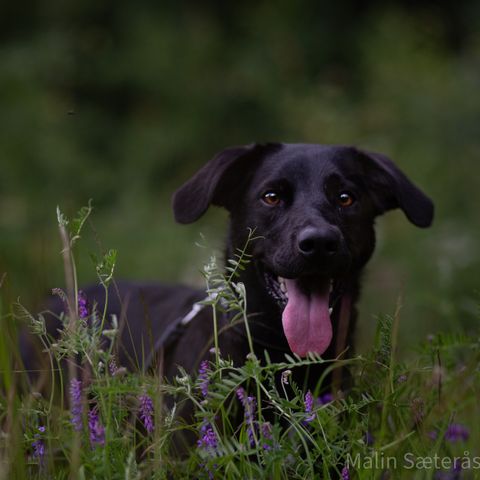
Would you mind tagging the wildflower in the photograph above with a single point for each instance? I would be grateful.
(432, 435)
(457, 465)
(112, 367)
(402, 379)
(285, 375)
(115, 370)
(208, 438)
(308, 402)
(76, 404)
(208, 441)
(325, 398)
(345, 473)
(82, 304)
(266, 429)
(249, 406)
(453, 474)
(203, 378)
(368, 438)
(39, 446)
(96, 429)
(456, 432)
(146, 411)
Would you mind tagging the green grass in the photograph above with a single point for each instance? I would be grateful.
(406, 419)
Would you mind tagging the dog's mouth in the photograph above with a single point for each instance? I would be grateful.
(307, 304)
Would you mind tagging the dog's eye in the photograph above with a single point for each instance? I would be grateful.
(271, 198)
(345, 199)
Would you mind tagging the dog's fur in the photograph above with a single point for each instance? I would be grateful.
(297, 198)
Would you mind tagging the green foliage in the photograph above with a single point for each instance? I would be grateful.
(105, 266)
(124, 103)
(250, 421)
(79, 221)
(224, 293)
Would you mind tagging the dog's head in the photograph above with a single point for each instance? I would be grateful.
(314, 208)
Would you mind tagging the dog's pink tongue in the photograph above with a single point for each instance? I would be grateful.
(306, 321)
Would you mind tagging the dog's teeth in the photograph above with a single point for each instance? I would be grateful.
(283, 285)
(330, 310)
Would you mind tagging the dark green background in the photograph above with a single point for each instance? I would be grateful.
(121, 102)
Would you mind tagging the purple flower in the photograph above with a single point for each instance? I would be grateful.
(249, 406)
(325, 398)
(38, 446)
(266, 430)
(203, 378)
(457, 465)
(208, 438)
(432, 435)
(369, 439)
(82, 304)
(308, 402)
(345, 473)
(402, 378)
(453, 474)
(76, 404)
(456, 432)
(146, 411)
(112, 367)
(96, 429)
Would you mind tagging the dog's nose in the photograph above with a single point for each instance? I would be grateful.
(318, 242)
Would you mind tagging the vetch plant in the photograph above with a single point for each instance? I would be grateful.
(249, 405)
(76, 408)
(145, 411)
(95, 428)
(457, 433)
(310, 414)
(203, 379)
(39, 447)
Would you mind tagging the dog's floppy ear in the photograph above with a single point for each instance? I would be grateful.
(216, 181)
(392, 189)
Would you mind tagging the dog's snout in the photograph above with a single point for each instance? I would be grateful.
(318, 242)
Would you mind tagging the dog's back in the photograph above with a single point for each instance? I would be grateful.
(148, 317)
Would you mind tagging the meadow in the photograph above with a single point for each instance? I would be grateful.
(122, 102)
(94, 419)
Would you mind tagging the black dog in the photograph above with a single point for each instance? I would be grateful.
(313, 207)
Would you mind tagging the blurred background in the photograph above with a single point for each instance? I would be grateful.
(122, 101)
